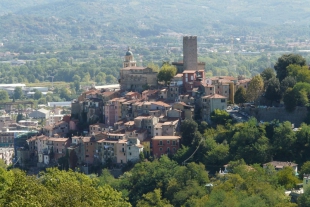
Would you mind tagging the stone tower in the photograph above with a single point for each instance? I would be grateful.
(129, 60)
(190, 59)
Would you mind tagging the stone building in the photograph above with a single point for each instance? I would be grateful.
(190, 56)
(133, 78)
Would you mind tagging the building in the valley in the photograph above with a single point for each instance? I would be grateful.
(165, 145)
(40, 114)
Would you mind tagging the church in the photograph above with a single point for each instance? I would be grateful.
(133, 78)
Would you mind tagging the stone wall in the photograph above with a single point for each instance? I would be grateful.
(279, 113)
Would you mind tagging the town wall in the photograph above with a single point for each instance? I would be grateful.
(278, 113)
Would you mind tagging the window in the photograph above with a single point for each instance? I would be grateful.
(173, 142)
(168, 150)
(168, 141)
(223, 100)
(160, 149)
(160, 142)
(174, 149)
(156, 134)
(129, 148)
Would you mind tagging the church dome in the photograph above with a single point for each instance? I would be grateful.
(129, 53)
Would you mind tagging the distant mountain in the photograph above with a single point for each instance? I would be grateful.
(124, 18)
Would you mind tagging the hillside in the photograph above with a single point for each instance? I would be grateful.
(133, 18)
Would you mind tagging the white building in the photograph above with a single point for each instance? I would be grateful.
(134, 148)
(40, 114)
(6, 154)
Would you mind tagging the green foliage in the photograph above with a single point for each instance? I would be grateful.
(220, 117)
(268, 74)
(37, 95)
(300, 73)
(289, 100)
(305, 168)
(304, 199)
(18, 93)
(153, 199)
(188, 129)
(255, 88)
(287, 178)
(4, 96)
(288, 82)
(240, 95)
(284, 61)
(166, 73)
(273, 90)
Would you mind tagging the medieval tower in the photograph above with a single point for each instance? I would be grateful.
(190, 59)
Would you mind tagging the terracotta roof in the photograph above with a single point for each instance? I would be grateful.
(214, 96)
(189, 71)
(279, 164)
(160, 103)
(134, 68)
(58, 139)
(166, 137)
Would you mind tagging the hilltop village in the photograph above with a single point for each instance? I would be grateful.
(116, 124)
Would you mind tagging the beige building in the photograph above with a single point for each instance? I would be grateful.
(133, 78)
(210, 103)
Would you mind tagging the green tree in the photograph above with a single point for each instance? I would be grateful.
(255, 88)
(304, 199)
(18, 93)
(76, 78)
(290, 100)
(288, 82)
(273, 90)
(220, 117)
(284, 61)
(287, 178)
(305, 169)
(37, 95)
(154, 67)
(153, 199)
(240, 95)
(166, 73)
(300, 73)
(188, 129)
(65, 93)
(268, 74)
(4, 96)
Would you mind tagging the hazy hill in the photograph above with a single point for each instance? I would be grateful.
(124, 18)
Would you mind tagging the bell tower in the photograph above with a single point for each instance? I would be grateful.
(129, 60)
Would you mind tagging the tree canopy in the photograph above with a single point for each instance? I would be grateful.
(166, 73)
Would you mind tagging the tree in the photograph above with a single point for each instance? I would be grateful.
(304, 199)
(220, 117)
(166, 73)
(240, 95)
(255, 88)
(288, 82)
(153, 199)
(76, 78)
(37, 95)
(188, 129)
(18, 93)
(289, 100)
(111, 79)
(154, 67)
(65, 93)
(287, 178)
(268, 74)
(273, 90)
(300, 73)
(4, 96)
(202, 127)
(286, 60)
(305, 169)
